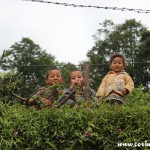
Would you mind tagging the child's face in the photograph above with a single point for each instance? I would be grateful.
(76, 78)
(117, 64)
(54, 76)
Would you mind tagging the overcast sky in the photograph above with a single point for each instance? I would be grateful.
(64, 32)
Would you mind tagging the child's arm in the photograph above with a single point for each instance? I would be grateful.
(125, 91)
(68, 95)
(101, 90)
(74, 85)
(129, 85)
(38, 96)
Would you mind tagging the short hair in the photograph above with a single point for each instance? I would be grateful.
(117, 55)
(49, 70)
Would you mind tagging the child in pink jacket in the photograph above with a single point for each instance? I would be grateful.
(117, 83)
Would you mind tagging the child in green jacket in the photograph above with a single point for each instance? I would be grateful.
(51, 92)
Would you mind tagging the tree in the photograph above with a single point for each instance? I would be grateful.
(143, 59)
(124, 39)
(66, 68)
(30, 64)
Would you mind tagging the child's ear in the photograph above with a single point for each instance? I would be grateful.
(125, 65)
(46, 81)
(83, 83)
(62, 80)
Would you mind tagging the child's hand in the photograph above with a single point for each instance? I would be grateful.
(29, 101)
(125, 91)
(73, 85)
(101, 98)
(47, 102)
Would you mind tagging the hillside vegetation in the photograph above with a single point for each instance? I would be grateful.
(83, 127)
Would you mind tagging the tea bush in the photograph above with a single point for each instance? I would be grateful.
(78, 128)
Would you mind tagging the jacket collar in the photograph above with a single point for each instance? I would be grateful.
(112, 72)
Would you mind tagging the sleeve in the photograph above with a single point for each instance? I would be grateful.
(66, 96)
(129, 84)
(92, 93)
(37, 96)
(93, 96)
(102, 88)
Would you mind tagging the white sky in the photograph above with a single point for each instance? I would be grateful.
(64, 32)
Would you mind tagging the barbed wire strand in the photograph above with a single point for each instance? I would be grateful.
(98, 64)
(146, 11)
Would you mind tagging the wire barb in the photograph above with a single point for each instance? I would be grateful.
(90, 6)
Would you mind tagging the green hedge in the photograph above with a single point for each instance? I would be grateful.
(76, 128)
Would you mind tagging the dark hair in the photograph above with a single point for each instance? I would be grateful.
(117, 55)
(49, 70)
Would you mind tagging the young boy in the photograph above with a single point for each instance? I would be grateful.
(117, 83)
(48, 94)
(76, 92)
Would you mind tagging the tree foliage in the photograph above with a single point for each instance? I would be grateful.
(77, 128)
(144, 57)
(30, 63)
(66, 69)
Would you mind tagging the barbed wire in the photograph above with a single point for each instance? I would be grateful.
(91, 6)
(145, 63)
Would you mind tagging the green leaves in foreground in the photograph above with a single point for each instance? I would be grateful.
(76, 128)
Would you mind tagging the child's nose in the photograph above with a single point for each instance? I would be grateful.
(55, 77)
(77, 79)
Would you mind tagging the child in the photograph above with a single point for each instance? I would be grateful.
(76, 92)
(46, 95)
(117, 83)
